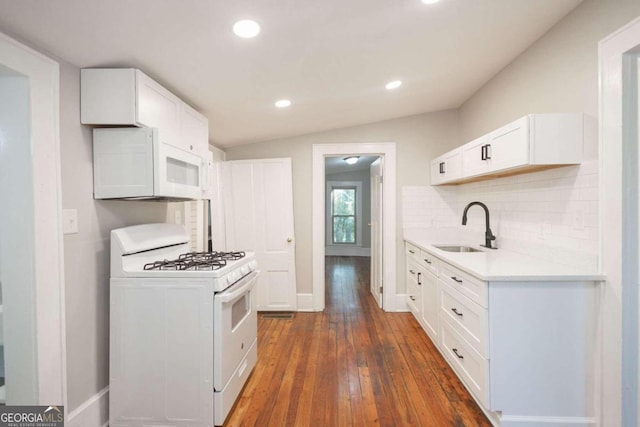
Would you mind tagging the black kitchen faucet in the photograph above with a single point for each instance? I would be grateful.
(488, 235)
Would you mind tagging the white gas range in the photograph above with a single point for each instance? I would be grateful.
(183, 336)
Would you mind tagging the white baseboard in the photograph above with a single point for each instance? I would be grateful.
(338, 250)
(535, 421)
(305, 302)
(94, 412)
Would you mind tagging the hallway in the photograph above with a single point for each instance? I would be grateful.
(351, 365)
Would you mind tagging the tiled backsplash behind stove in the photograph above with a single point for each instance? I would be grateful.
(551, 214)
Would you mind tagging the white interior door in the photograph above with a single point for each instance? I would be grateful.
(376, 230)
(258, 211)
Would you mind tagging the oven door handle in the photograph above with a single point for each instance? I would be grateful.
(250, 282)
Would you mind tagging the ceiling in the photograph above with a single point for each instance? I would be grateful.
(331, 58)
(338, 165)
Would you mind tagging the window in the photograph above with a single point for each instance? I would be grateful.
(343, 215)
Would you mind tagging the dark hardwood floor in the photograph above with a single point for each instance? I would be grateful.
(352, 365)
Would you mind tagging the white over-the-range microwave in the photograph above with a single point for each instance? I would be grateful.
(137, 163)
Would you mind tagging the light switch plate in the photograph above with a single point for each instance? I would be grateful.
(69, 221)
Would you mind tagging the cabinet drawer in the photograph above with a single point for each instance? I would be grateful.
(469, 286)
(470, 366)
(466, 317)
(429, 262)
(412, 251)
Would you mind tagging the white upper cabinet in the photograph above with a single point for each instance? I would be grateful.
(128, 97)
(474, 161)
(530, 143)
(447, 168)
(156, 106)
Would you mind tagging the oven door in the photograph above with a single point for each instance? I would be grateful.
(235, 328)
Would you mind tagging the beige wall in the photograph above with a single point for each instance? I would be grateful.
(559, 73)
(418, 139)
(86, 254)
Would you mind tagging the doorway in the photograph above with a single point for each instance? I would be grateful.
(385, 151)
(350, 211)
(31, 254)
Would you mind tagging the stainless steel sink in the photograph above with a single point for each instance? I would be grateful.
(453, 248)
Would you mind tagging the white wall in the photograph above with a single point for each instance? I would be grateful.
(551, 215)
(418, 139)
(558, 73)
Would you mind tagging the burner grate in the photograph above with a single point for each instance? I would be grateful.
(196, 261)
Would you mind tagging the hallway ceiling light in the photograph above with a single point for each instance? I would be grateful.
(246, 28)
(283, 103)
(430, 1)
(351, 160)
(393, 85)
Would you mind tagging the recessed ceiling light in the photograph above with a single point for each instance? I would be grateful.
(430, 1)
(283, 103)
(246, 28)
(393, 85)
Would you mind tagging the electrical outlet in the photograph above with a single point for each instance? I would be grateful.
(69, 221)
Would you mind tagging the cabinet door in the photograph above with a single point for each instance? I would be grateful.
(414, 300)
(429, 284)
(509, 146)
(108, 96)
(158, 108)
(194, 129)
(447, 167)
(474, 157)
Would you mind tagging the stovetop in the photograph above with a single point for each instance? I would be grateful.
(196, 261)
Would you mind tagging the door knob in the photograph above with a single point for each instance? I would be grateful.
(289, 239)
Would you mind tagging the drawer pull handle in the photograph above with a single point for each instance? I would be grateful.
(455, 310)
(456, 279)
(412, 298)
(419, 282)
(411, 252)
(412, 272)
(455, 350)
(427, 261)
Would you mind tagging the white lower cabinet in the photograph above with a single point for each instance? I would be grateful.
(525, 350)
(414, 297)
(429, 284)
(471, 367)
(468, 318)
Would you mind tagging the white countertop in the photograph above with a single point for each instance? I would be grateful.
(502, 265)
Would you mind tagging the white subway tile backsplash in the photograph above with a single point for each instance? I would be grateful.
(550, 214)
